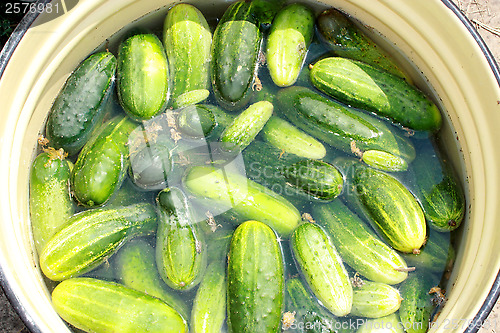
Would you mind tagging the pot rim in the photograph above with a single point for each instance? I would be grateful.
(16, 37)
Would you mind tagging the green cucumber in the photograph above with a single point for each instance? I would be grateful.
(92, 236)
(127, 195)
(344, 128)
(185, 29)
(358, 245)
(322, 268)
(50, 200)
(209, 305)
(361, 85)
(289, 138)
(102, 164)
(288, 41)
(389, 206)
(98, 306)
(387, 324)
(135, 267)
(438, 190)
(245, 127)
(416, 307)
(342, 36)
(384, 161)
(142, 73)
(436, 256)
(375, 300)
(266, 10)
(235, 50)
(246, 198)
(255, 275)
(79, 106)
(191, 98)
(181, 253)
(309, 316)
(196, 121)
(218, 245)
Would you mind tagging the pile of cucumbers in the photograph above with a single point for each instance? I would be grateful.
(278, 172)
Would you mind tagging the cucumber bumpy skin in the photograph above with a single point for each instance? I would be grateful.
(375, 300)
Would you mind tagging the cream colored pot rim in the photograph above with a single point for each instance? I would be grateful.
(25, 24)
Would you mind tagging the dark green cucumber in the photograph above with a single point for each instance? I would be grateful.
(375, 300)
(255, 275)
(79, 106)
(235, 50)
(291, 175)
(343, 37)
(50, 198)
(384, 161)
(196, 121)
(135, 267)
(102, 164)
(322, 268)
(97, 306)
(387, 324)
(288, 42)
(245, 127)
(436, 256)
(181, 253)
(266, 10)
(309, 316)
(209, 305)
(142, 76)
(358, 245)
(187, 39)
(246, 198)
(344, 128)
(92, 236)
(128, 194)
(361, 85)
(438, 190)
(289, 138)
(416, 307)
(387, 204)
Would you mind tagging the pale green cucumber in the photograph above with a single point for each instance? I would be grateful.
(290, 36)
(246, 198)
(98, 306)
(375, 300)
(255, 275)
(289, 138)
(135, 267)
(322, 268)
(92, 236)
(191, 97)
(384, 161)
(209, 305)
(358, 244)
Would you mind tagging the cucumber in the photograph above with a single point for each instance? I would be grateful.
(98, 306)
(245, 127)
(218, 245)
(387, 324)
(438, 190)
(196, 121)
(344, 128)
(235, 50)
(289, 138)
(255, 275)
(92, 236)
(322, 268)
(266, 10)
(436, 256)
(209, 305)
(309, 316)
(185, 29)
(246, 198)
(102, 164)
(358, 244)
(181, 253)
(289, 39)
(135, 267)
(339, 32)
(50, 202)
(389, 206)
(191, 97)
(375, 300)
(416, 308)
(361, 85)
(79, 106)
(384, 161)
(142, 73)
(128, 195)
